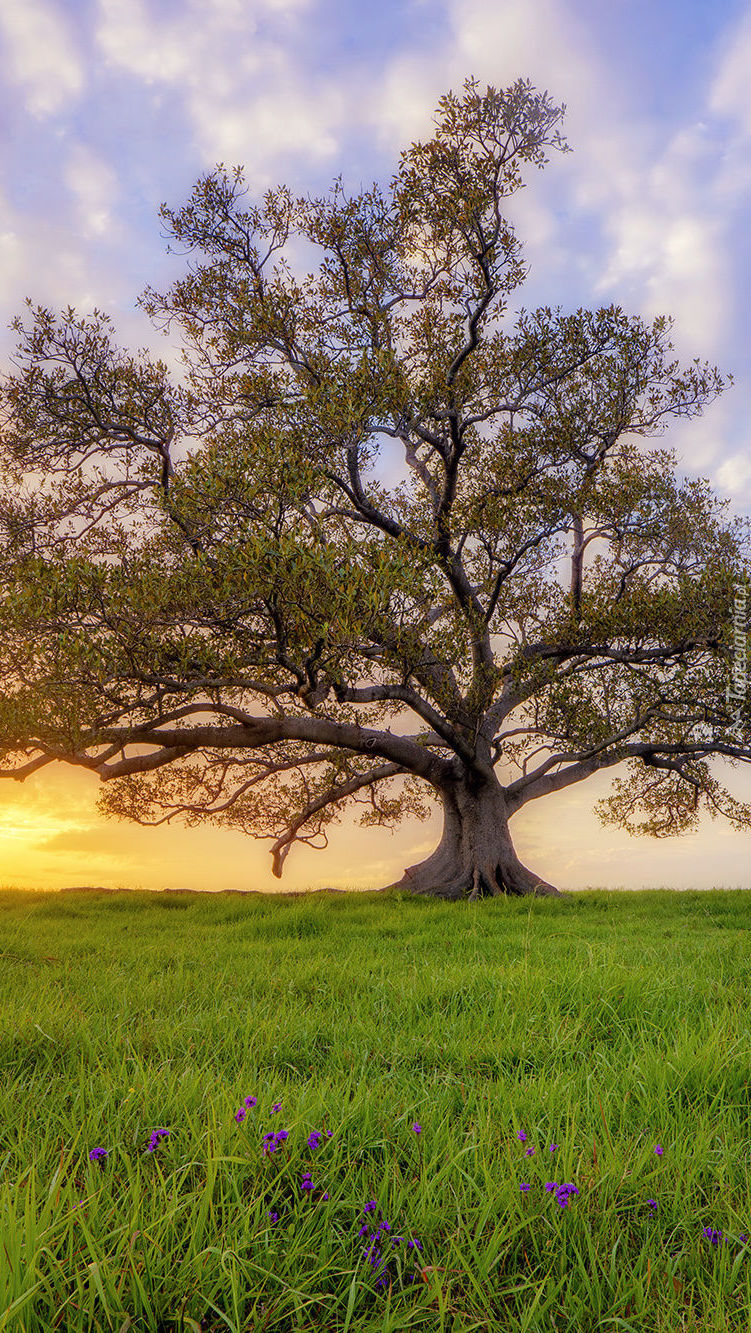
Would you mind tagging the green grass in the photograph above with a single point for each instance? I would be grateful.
(607, 1023)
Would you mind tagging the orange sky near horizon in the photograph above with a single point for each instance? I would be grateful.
(52, 837)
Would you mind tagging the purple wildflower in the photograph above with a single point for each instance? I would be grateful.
(653, 1204)
(370, 1207)
(97, 1153)
(271, 1140)
(240, 1115)
(551, 1185)
(658, 1150)
(274, 1216)
(307, 1182)
(276, 1107)
(414, 1244)
(563, 1194)
(250, 1101)
(714, 1236)
(522, 1136)
(524, 1186)
(553, 1147)
(417, 1129)
(529, 1152)
(155, 1137)
(324, 1196)
(314, 1139)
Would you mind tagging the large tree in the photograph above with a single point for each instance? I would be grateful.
(219, 637)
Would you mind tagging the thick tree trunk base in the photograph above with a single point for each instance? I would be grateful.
(475, 857)
(484, 881)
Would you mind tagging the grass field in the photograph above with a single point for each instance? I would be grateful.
(611, 1025)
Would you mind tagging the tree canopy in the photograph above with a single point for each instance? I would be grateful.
(540, 598)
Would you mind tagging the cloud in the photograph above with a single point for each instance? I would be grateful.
(38, 820)
(95, 187)
(639, 221)
(107, 843)
(45, 261)
(669, 242)
(730, 94)
(240, 85)
(735, 473)
(41, 55)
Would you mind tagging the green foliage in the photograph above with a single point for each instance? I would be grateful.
(367, 1014)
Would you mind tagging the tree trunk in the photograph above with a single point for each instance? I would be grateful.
(475, 857)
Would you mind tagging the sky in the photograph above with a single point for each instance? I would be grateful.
(112, 107)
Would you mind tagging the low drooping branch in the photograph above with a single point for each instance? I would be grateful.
(335, 794)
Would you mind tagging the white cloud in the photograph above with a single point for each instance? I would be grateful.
(399, 106)
(668, 226)
(680, 263)
(41, 54)
(700, 442)
(44, 259)
(242, 90)
(278, 121)
(665, 211)
(735, 473)
(132, 39)
(730, 94)
(95, 187)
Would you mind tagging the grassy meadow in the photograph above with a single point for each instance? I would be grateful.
(359, 1097)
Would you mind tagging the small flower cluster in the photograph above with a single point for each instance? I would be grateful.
(155, 1137)
(562, 1192)
(98, 1154)
(530, 1152)
(243, 1111)
(314, 1139)
(716, 1237)
(373, 1250)
(271, 1140)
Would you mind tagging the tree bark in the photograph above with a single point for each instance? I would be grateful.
(475, 857)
